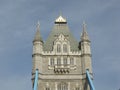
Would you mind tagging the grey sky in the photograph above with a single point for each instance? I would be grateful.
(18, 20)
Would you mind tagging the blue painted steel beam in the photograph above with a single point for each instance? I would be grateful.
(36, 80)
(90, 80)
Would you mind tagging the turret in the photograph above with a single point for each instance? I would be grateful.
(37, 50)
(85, 50)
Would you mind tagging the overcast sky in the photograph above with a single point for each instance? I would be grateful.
(18, 19)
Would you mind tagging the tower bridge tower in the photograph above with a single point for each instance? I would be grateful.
(61, 60)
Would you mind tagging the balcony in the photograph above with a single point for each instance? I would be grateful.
(61, 69)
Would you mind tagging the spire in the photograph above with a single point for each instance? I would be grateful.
(60, 20)
(84, 35)
(37, 35)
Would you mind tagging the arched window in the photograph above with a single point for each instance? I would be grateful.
(65, 48)
(52, 61)
(58, 61)
(71, 61)
(62, 86)
(58, 48)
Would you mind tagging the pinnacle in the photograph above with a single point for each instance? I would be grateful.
(84, 35)
(37, 35)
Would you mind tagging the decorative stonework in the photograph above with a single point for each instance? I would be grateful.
(61, 60)
(60, 19)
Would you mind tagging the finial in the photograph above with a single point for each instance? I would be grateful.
(38, 26)
(60, 20)
(38, 22)
(84, 22)
(84, 26)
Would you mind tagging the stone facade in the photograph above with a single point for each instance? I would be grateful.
(61, 60)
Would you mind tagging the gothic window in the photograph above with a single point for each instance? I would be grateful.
(65, 48)
(58, 61)
(62, 86)
(58, 48)
(65, 61)
(71, 61)
(52, 61)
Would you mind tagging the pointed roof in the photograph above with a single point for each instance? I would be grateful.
(84, 35)
(37, 35)
(61, 28)
(60, 19)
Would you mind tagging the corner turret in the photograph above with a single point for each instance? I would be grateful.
(85, 50)
(37, 50)
(85, 42)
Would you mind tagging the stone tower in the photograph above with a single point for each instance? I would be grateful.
(61, 60)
